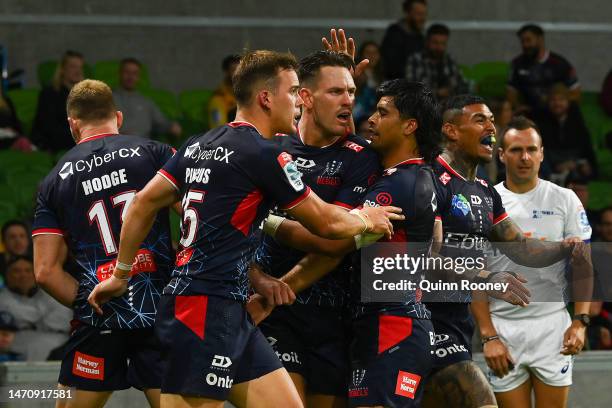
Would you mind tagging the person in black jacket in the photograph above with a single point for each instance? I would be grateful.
(404, 38)
(567, 141)
(10, 128)
(50, 130)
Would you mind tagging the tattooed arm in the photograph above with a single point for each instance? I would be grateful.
(527, 251)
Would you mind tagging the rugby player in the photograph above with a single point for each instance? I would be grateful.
(309, 336)
(472, 214)
(538, 340)
(228, 180)
(82, 202)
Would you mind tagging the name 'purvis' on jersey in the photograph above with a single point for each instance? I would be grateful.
(227, 179)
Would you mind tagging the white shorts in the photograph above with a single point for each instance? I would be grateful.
(535, 346)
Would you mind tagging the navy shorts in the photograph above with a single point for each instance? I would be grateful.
(107, 360)
(312, 342)
(209, 343)
(391, 357)
(453, 340)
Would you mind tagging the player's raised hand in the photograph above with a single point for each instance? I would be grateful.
(105, 291)
(274, 291)
(379, 219)
(516, 293)
(498, 357)
(339, 43)
(258, 308)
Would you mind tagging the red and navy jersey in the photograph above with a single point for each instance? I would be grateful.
(469, 210)
(409, 185)
(228, 179)
(85, 198)
(340, 174)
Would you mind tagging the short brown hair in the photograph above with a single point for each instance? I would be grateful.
(259, 66)
(91, 101)
(519, 123)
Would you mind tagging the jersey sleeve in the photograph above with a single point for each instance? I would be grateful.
(279, 176)
(360, 175)
(46, 220)
(570, 78)
(576, 220)
(174, 166)
(499, 212)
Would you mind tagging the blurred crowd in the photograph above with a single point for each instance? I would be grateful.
(542, 85)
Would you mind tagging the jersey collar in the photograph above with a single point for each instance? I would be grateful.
(448, 167)
(236, 124)
(337, 141)
(94, 137)
(414, 160)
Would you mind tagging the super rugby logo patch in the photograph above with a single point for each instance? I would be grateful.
(291, 171)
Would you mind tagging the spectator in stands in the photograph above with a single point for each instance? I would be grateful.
(16, 241)
(222, 106)
(10, 127)
(536, 70)
(580, 186)
(600, 332)
(404, 38)
(43, 323)
(8, 327)
(365, 97)
(435, 67)
(50, 130)
(605, 97)
(566, 139)
(141, 117)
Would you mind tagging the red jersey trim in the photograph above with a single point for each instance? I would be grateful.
(169, 177)
(500, 218)
(449, 168)
(100, 136)
(298, 200)
(47, 231)
(343, 205)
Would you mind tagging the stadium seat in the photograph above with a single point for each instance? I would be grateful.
(597, 122)
(193, 104)
(599, 194)
(46, 71)
(108, 72)
(12, 159)
(604, 162)
(491, 78)
(165, 100)
(25, 101)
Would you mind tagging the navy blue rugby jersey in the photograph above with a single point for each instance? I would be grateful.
(340, 174)
(85, 198)
(409, 185)
(469, 210)
(228, 179)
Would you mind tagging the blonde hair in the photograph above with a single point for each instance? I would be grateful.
(91, 101)
(58, 76)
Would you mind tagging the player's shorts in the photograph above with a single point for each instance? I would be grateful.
(535, 345)
(312, 342)
(391, 357)
(107, 360)
(209, 344)
(453, 341)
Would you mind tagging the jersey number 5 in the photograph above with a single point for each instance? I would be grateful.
(189, 224)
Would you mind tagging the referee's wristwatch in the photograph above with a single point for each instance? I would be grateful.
(585, 319)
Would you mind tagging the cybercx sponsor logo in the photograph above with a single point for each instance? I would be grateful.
(88, 165)
(197, 153)
(221, 380)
